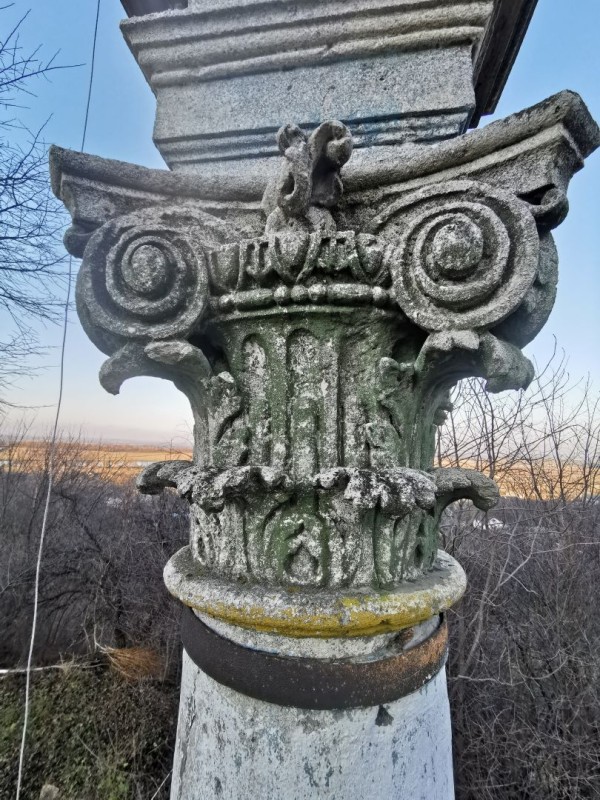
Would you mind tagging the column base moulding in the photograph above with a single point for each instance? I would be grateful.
(298, 612)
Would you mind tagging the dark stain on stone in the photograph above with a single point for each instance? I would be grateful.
(383, 717)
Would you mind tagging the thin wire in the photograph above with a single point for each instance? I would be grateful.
(92, 65)
(165, 779)
(52, 450)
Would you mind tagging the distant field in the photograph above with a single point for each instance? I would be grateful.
(537, 480)
(118, 462)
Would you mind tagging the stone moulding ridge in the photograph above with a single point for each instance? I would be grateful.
(391, 129)
(196, 45)
(308, 56)
(318, 613)
(96, 189)
(562, 119)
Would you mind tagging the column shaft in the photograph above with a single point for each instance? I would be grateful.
(231, 746)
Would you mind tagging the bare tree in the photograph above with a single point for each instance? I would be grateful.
(31, 220)
(106, 549)
(524, 663)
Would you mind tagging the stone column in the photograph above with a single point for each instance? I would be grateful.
(317, 307)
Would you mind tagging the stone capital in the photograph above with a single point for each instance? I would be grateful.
(317, 324)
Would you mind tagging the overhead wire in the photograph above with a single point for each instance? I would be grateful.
(52, 448)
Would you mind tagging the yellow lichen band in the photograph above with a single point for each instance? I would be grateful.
(316, 613)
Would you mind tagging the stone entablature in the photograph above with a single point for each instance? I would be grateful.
(226, 74)
(492, 60)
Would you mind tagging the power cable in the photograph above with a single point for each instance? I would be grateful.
(52, 450)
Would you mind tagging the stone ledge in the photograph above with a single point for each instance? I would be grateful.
(316, 613)
(209, 43)
(526, 152)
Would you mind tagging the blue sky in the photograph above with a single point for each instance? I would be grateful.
(561, 51)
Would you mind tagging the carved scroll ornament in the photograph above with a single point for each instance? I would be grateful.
(144, 276)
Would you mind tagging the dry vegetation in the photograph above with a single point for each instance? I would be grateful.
(523, 672)
(524, 662)
(104, 727)
(114, 462)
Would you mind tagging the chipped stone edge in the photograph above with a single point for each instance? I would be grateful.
(318, 614)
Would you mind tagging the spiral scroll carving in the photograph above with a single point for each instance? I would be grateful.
(463, 254)
(144, 276)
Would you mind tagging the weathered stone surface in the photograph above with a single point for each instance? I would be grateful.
(401, 750)
(492, 62)
(317, 359)
(255, 524)
(226, 74)
(316, 613)
(145, 277)
(359, 648)
(466, 254)
(531, 155)
(309, 182)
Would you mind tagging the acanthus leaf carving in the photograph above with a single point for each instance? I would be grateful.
(176, 360)
(455, 483)
(504, 365)
(309, 182)
(461, 354)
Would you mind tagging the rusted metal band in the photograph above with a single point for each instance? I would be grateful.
(309, 682)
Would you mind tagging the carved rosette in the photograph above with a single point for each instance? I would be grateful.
(318, 359)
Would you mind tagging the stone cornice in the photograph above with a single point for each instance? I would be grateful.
(552, 137)
(198, 45)
(497, 52)
(563, 114)
(534, 150)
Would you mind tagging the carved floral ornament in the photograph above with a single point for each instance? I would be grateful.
(318, 357)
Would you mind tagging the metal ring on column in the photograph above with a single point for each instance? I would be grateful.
(309, 682)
